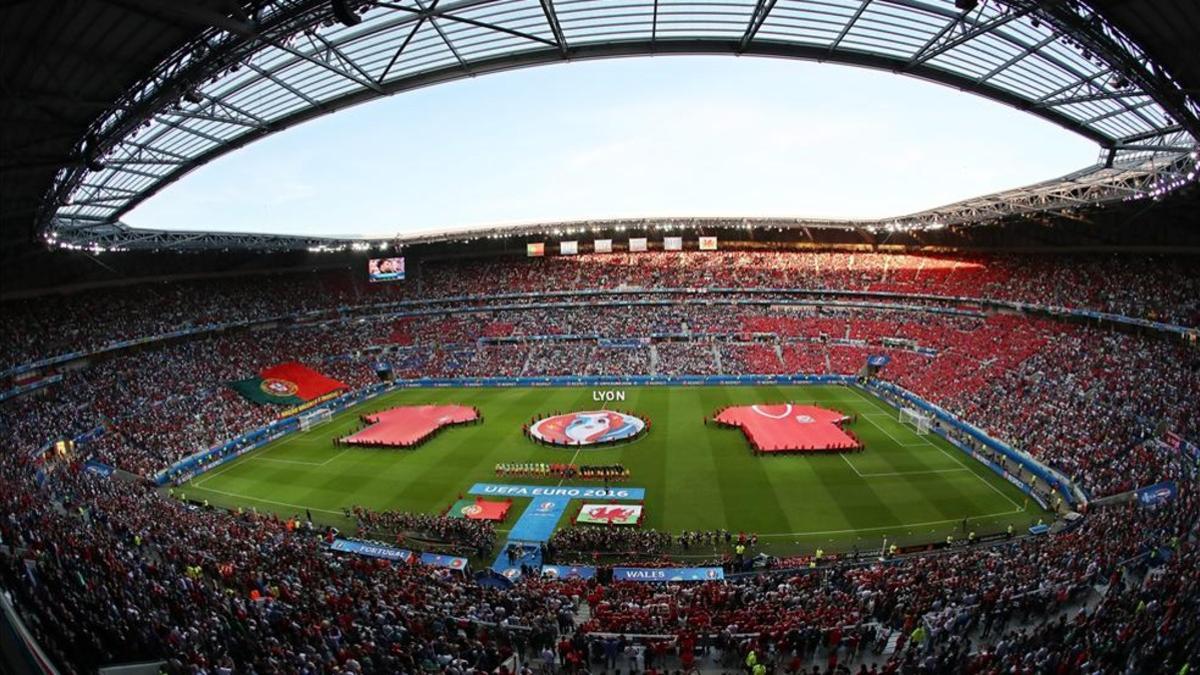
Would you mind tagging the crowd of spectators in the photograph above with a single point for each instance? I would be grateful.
(1084, 399)
(968, 591)
(686, 358)
(1154, 287)
(607, 540)
(162, 403)
(108, 571)
(1087, 401)
(477, 535)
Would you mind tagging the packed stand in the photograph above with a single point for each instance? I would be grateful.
(479, 536)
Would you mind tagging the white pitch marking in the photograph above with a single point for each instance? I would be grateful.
(268, 501)
(286, 461)
(937, 447)
(889, 527)
(890, 474)
(213, 474)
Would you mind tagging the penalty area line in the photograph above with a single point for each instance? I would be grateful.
(890, 527)
(286, 461)
(939, 448)
(237, 495)
(213, 474)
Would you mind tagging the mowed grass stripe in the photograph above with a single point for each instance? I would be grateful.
(749, 500)
(811, 487)
(936, 449)
(696, 476)
(917, 495)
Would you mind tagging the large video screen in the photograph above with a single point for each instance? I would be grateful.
(385, 269)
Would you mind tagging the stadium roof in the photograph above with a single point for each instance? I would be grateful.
(106, 102)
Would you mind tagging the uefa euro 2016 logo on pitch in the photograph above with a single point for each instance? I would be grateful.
(277, 387)
(587, 428)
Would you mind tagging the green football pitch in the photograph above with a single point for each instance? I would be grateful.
(907, 487)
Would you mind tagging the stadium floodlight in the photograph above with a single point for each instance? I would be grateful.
(345, 14)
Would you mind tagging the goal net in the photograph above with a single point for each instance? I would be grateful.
(313, 418)
(915, 419)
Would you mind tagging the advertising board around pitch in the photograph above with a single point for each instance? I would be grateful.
(668, 574)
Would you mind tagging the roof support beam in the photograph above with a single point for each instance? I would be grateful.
(1016, 58)
(1154, 148)
(482, 24)
(1118, 111)
(849, 25)
(1087, 98)
(226, 105)
(368, 83)
(932, 49)
(555, 26)
(403, 45)
(446, 40)
(151, 149)
(1157, 133)
(198, 115)
(1074, 86)
(186, 129)
(283, 84)
(762, 9)
(342, 56)
(115, 163)
(129, 169)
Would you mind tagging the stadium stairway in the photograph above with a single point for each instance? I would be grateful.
(583, 612)
(525, 365)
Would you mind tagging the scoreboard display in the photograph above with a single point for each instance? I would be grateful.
(385, 269)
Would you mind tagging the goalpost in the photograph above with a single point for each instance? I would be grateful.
(314, 418)
(916, 419)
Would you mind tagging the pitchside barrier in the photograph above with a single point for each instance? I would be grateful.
(344, 312)
(1065, 487)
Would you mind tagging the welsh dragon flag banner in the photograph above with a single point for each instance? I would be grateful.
(610, 514)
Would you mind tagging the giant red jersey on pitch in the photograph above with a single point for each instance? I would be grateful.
(409, 424)
(789, 427)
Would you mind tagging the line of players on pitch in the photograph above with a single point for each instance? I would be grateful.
(604, 472)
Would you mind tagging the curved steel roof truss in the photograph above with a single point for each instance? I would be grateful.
(1058, 60)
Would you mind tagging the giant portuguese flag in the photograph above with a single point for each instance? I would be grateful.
(288, 383)
(268, 390)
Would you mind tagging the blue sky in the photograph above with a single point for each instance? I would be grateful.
(665, 136)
